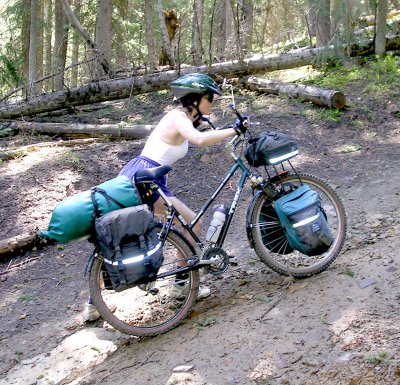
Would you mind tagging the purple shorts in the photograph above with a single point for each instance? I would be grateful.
(140, 163)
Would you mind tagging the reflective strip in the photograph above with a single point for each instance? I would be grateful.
(305, 221)
(138, 258)
(283, 157)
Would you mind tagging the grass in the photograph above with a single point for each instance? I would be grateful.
(379, 75)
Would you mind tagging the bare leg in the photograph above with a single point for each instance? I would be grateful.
(187, 214)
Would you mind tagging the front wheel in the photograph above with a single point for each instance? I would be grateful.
(268, 236)
(152, 308)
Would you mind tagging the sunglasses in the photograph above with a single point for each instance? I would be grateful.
(209, 96)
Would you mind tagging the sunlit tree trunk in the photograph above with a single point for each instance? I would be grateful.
(381, 28)
(197, 26)
(228, 46)
(33, 42)
(60, 46)
(151, 51)
(247, 22)
(103, 34)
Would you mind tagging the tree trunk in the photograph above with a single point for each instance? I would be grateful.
(60, 46)
(228, 40)
(20, 243)
(124, 88)
(75, 48)
(86, 37)
(25, 41)
(320, 22)
(103, 34)
(319, 96)
(247, 22)
(167, 47)
(197, 26)
(381, 28)
(85, 130)
(48, 36)
(151, 52)
(40, 47)
(33, 42)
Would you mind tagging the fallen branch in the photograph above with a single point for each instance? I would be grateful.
(9, 267)
(22, 151)
(91, 130)
(316, 95)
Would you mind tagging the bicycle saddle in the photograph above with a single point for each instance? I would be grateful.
(151, 174)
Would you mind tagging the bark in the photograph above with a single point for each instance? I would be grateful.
(33, 42)
(111, 131)
(103, 34)
(60, 46)
(25, 32)
(124, 88)
(319, 96)
(197, 25)
(151, 52)
(75, 48)
(48, 37)
(20, 243)
(381, 28)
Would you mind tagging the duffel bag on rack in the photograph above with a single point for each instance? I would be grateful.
(304, 220)
(73, 218)
(130, 246)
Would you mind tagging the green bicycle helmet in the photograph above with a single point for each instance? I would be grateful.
(196, 83)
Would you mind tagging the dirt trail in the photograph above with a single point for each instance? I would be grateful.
(340, 327)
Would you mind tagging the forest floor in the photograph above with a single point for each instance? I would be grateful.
(338, 327)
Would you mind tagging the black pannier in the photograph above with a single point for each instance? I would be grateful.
(270, 148)
(130, 246)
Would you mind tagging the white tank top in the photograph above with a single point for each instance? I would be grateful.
(164, 153)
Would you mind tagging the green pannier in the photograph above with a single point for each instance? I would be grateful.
(73, 218)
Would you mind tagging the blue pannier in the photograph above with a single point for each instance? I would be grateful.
(304, 220)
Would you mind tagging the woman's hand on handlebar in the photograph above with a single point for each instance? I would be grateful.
(241, 124)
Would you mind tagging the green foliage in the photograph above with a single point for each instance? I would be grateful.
(376, 358)
(381, 75)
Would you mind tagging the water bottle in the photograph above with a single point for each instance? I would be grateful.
(216, 224)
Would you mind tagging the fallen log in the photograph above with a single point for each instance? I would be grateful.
(21, 243)
(319, 96)
(112, 131)
(124, 88)
(24, 150)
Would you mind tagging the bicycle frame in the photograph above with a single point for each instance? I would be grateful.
(245, 175)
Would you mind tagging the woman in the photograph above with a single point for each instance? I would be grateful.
(169, 142)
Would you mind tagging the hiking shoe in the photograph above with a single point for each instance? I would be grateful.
(90, 313)
(180, 291)
(233, 260)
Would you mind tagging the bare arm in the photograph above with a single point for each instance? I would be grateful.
(202, 139)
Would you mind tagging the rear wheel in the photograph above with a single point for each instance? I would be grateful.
(151, 308)
(269, 238)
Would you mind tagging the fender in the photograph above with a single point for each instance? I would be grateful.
(90, 261)
(248, 217)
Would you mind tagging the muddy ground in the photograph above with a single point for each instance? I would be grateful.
(339, 327)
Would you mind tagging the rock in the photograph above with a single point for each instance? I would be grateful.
(363, 283)
(183, 369)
